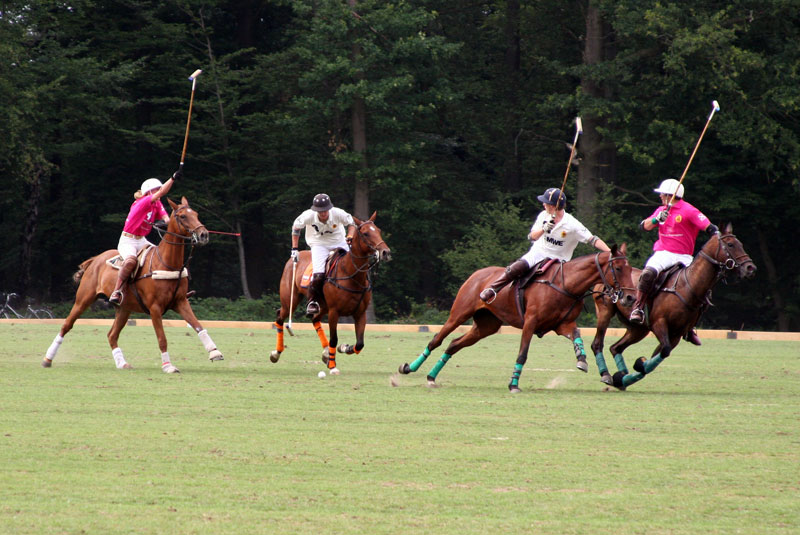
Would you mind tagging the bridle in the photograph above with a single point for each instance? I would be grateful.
(366, 267)
(187, 235)
(731, 261)
(615, 291)
(373, 249)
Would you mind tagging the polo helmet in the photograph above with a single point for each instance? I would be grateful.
(321, 203)
(553, 196)
(669, 187)
(150, 184)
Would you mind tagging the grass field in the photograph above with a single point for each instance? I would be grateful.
(710, 443)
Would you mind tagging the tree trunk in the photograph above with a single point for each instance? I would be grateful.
(512, 164)
(29, 232)
(774, 284)
(598, 158)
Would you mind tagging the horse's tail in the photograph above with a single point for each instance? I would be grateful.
(76, 277)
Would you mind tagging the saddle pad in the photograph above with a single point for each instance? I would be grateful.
(330, 262)
(116, 261)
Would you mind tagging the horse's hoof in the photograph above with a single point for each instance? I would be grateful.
(46, 362)
(275, 355)
(334, 371)
(606, 378)
(126, 366)
(346, 349)
(215, 355)
(169, 368)
(325, 356)
(639, 365)
(582, 365)
(405, 369)
(514, 389)
(432, 383)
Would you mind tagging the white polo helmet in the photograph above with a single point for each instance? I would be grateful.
(150, 184)
(669, 187)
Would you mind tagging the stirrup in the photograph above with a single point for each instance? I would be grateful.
(486, 298)
(637, 316)
(312, 309)
(116, 297)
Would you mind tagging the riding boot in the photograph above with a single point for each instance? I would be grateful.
(512, 272)
(646, 280)
(125, 271)
(315, 294)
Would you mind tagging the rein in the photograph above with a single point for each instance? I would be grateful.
(364, 268)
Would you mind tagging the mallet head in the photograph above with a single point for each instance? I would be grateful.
(578, 125)
(195, 74)
(715, 104)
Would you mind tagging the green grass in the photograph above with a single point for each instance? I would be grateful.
(710, 443)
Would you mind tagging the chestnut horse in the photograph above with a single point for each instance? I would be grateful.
(553, 302)
(674, 308)
(159, 285)
(347, 290)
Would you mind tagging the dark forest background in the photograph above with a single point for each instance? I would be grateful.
(448, 118)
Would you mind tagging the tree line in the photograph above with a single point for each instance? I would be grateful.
(447, 118)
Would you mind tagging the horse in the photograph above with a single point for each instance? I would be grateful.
(347, 290)
(674, 307)
(160, 285)
(552, 302)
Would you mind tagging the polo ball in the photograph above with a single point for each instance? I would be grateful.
(321, 375)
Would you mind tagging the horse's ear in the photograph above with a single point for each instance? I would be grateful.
(357, 221)
(623, 249)
(174, 206)
(729, 228)
(374, 214)
(184, 201)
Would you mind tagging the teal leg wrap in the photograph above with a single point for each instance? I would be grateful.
(653, 363)
(414, 366)
(620, 362)
(439, 365)
(601, 363)
(516, 374)
(579, 350)
(631, 378)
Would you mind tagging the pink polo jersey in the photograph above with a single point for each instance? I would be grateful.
(679, 232)
(143, 213)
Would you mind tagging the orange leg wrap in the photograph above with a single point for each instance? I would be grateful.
(331, 358)
(322, 338)
(279, 347)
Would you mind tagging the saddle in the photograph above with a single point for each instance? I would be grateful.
(116, 263)
(519, 285)
(330, 263)
(660, 285)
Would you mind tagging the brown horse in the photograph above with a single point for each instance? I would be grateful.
(553, 302)
(347, 290)
(674, 308)
(160, 285)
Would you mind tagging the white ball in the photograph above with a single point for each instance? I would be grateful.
(321, 375)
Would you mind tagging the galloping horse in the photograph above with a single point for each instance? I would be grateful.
(347, 290)
(552, 303)
(675, 307)
(160, 285)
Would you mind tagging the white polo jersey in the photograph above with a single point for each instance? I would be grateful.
(330, 233)
(560, 242)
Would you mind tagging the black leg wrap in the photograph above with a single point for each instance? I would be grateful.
(618, 380)
(431, 379)
(639, 365)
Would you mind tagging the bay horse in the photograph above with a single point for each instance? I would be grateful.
(347, 291)
(159, 284)
(553, 302)
(674, 308)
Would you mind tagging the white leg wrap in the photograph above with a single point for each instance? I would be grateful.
(165, 358)
(208, 343)
(53, 349)
(119, 358)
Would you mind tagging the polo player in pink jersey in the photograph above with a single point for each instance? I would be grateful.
(145, 213)
(678, 226)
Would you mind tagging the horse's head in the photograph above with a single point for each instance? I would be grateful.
(184, 222)
(617, 277)
(368, 240)
(729, 254)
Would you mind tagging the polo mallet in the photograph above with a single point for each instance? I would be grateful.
(578, 132)
(291, 298)
(714, 108)
(193, 78)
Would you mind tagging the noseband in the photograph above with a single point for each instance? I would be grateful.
(731, 261)
(614, 291)
(373, 249)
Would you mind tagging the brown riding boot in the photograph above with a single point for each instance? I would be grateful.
(512, 273)
(646, 280)
(125, 271)
(315, 294)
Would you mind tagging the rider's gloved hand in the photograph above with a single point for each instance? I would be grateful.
(662, 216)
(295, 254)
(160, 224)
(547, 226)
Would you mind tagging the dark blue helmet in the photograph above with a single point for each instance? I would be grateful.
(321, 203)
(553, 196)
